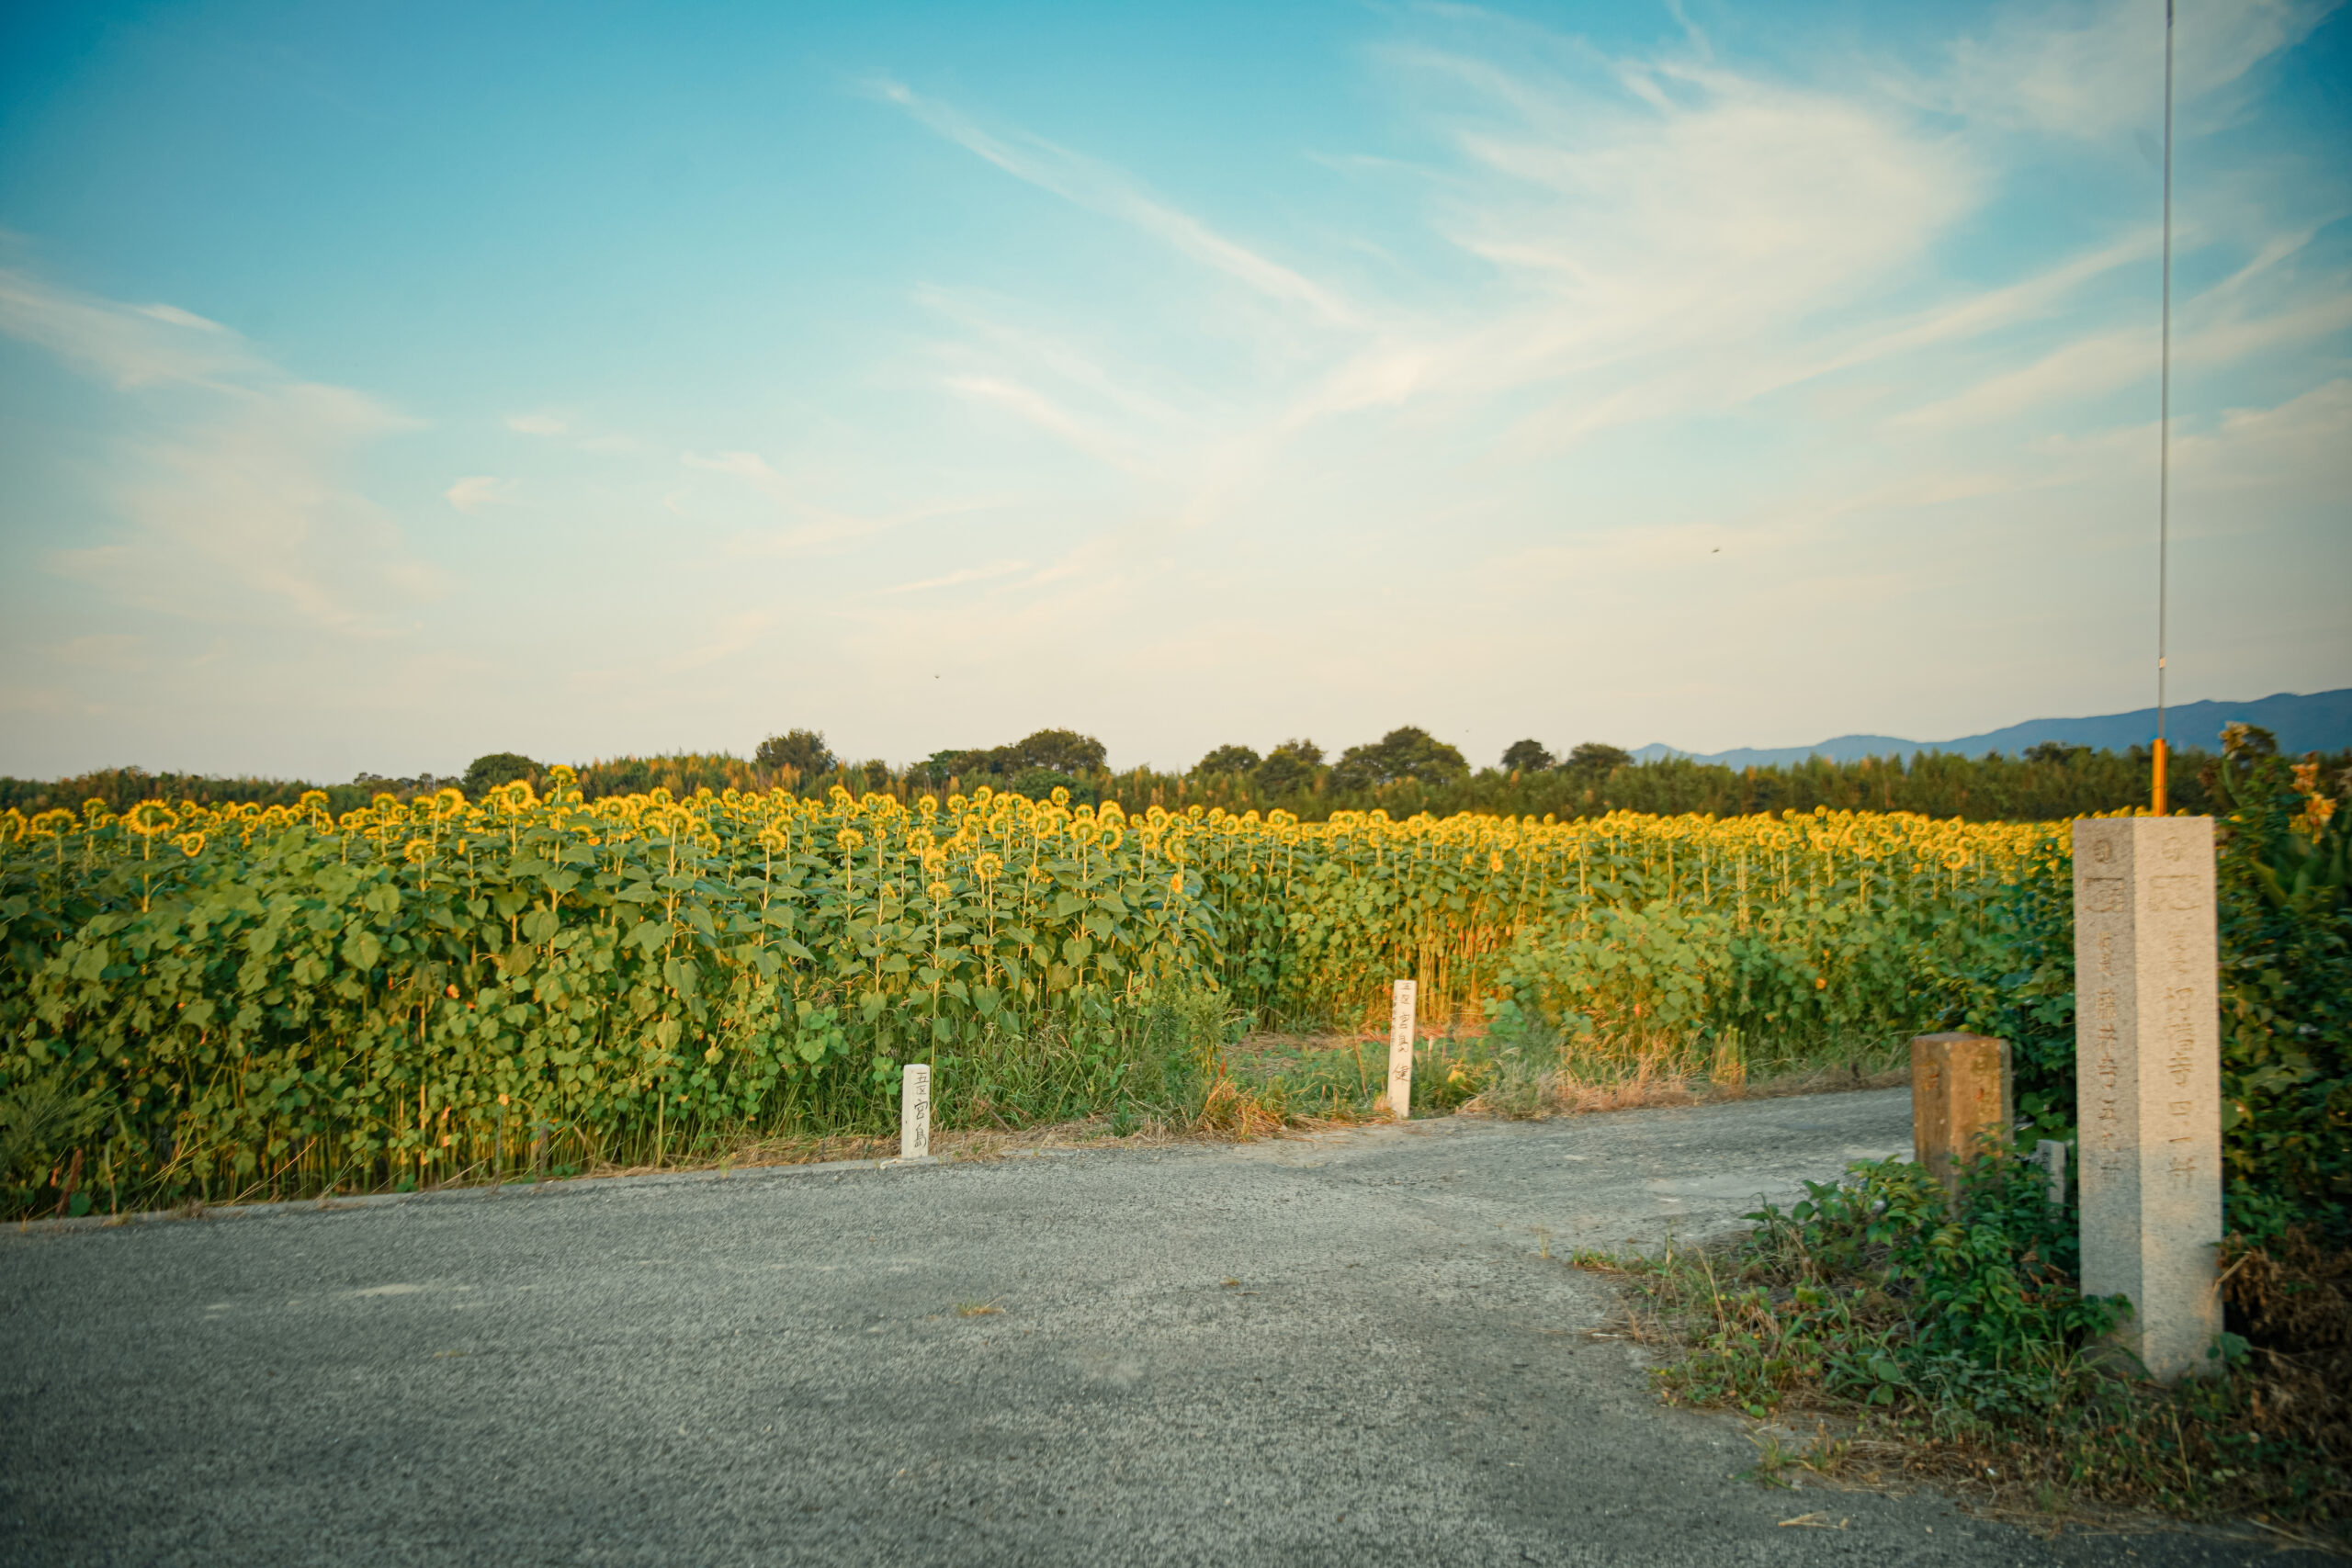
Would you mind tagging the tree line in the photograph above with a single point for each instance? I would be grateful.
(1405, 772)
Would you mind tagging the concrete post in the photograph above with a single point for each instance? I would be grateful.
(1960, 1097)
(2148, 1080)
(2050, 1155)
(1401, 1050)
(914, 1112)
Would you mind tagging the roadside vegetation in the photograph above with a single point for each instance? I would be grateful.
(1947, 1334)
(214, 1003)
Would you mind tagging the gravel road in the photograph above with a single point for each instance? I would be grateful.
(1342, 1350)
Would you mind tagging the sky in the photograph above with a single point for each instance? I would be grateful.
(382, 385)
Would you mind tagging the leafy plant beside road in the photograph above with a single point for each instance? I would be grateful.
(1954, 1330)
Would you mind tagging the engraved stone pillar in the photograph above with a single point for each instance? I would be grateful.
(2147, 1080)
(914, 1112)
(1960, 1097)
(1401, 1050)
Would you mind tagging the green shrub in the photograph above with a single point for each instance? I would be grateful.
(2285, 930)
(1953, 1333)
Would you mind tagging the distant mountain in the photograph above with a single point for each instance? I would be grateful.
(2320, 722)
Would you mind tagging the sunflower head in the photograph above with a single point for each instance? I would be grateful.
(1060, 795)
(851, 841)
(990, 866)
(150, 817)
(1176, 884)
(418, 851)
(1112, 836)
(938, 891)
(190, 844)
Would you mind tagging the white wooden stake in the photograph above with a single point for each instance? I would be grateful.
(1401, 1050)
(914, 1112)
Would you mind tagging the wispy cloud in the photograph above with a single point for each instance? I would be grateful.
(1675, 251)
(966, 574)
(129, 345)
(536, 423)
(735, 634)
(818, 528)
(1103, 190)
(476, 492)
(2105, 361)
(747, 466)
(1035, 407)
(2090, 71)
(229, 501)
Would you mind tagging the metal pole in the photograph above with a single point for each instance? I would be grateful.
(2163, 434)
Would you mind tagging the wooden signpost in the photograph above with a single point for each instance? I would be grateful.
(1400, 1051)
(914, 1112)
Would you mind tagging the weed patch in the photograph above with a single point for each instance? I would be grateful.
(1950, 1341)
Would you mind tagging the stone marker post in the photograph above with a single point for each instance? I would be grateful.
(1401, 1050)
(1960, 1097)
(2050, 1155)
(914, 1112)
(2148, 1080)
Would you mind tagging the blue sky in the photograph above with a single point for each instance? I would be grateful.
(382, 385)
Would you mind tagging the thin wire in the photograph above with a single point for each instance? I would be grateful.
(2164, 416)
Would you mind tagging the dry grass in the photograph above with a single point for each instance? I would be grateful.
(1342, 1075)
(1274, 1085)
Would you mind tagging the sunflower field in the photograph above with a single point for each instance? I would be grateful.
(207, 1002)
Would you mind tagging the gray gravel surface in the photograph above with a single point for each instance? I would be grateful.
(1340, 1349)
